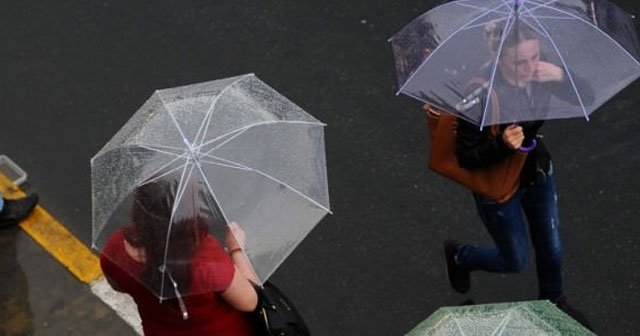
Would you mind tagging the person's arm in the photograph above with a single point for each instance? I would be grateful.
(243, 265)
(241, 295)
(475, 149)
(560, 85)
(235, 241)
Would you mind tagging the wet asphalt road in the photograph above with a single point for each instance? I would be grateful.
(73, 72)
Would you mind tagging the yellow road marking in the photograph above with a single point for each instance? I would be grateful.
(55, 238)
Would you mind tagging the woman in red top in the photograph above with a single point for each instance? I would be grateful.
(216, 293)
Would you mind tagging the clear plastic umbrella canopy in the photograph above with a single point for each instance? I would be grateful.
(544, 59)
(529, 318)
(195, 158)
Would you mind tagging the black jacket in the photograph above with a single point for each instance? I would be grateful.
(476, 148)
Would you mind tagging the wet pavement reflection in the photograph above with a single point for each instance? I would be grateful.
(16, 317)
(40, 297)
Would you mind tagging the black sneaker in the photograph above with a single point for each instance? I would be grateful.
(459, 277)
(577, 315)
(13, 211)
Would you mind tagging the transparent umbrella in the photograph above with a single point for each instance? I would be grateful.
(528, 318)
(545, 59)
(200, 157)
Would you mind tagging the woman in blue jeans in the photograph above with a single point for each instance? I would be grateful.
(506, 225)
(520, 73)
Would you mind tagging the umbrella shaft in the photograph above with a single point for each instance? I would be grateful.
(517, 4)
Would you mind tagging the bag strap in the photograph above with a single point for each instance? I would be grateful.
(430, 110)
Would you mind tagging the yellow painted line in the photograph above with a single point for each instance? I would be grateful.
(55, 238)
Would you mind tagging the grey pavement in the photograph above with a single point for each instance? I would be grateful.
(39, 297)
(73, 72)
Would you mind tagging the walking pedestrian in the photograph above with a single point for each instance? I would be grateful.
(521, 72)
(216, 298)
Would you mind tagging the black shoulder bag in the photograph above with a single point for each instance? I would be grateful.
(276, 315)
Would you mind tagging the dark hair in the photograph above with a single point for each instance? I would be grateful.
(517, 33)
(152, 220)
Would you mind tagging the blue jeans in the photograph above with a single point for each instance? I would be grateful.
(1, 201)
(505, 223)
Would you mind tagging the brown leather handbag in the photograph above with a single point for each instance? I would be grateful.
(498, 181)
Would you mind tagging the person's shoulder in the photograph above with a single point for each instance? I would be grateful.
(212, 267)
(112, 252)
(209, 248)
(115, 241)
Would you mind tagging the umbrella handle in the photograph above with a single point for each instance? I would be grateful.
(526, 149)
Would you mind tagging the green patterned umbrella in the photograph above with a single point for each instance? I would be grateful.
(535, 318)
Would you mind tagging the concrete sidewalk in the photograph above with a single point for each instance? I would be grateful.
(39, 296)
(53, 284)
